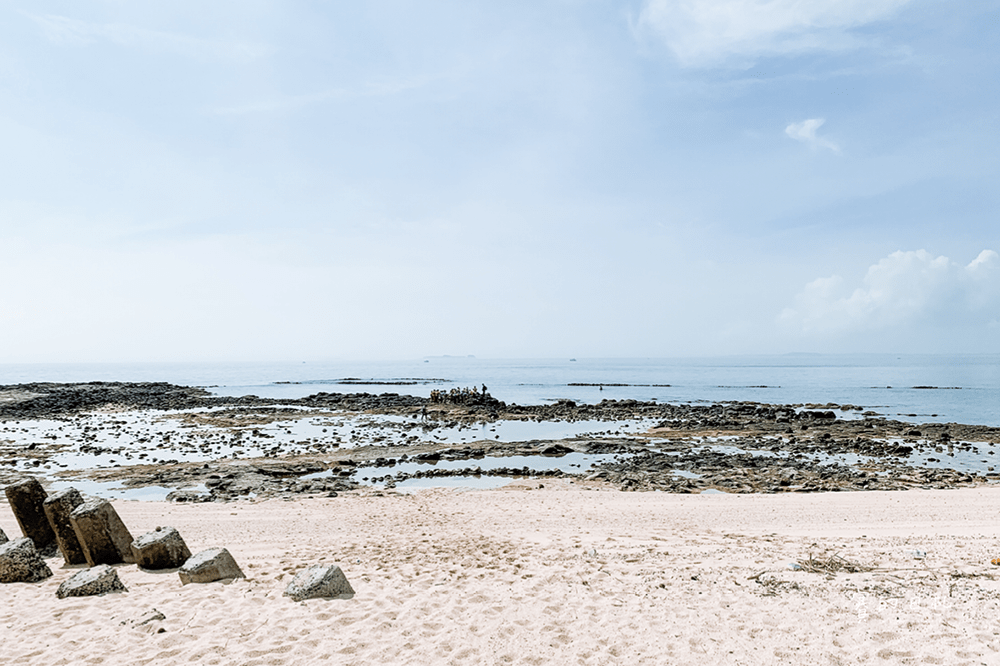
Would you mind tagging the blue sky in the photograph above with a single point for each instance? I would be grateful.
(288, 180)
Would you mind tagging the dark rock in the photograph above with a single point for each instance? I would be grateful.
(3, 537)
(321, 580)
(27, 498)
(58, 508)
(21, 563)
(101, 579)
(102, 534)
(162, 548)
(210, 565)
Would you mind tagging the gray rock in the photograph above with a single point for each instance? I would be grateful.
(210, 565)
(21, 563)
(26, 500)
(162, 548)
(3, 537)
(102, 534)
(58, 508)
(321, 580)
(91, 582)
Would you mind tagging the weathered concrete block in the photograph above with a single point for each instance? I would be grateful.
(321, 580)
(209, 565)
(162, 548)
(27, 498)
(91, 582)
(101, 533)
(58, 508)
(21, 563)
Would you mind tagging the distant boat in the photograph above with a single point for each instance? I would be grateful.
(572, 359)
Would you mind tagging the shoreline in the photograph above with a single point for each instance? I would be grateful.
(199, 447)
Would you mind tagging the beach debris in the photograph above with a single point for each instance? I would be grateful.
(151, 616)
(995, 561)
(795, 566)
(208, 566)
(26, 498)
(320, 580)
(832, 564)
(102, 534)
(94, 581)
(163, 548)
(773, 586)
(58, 508)
(918, 554)
(20, 562)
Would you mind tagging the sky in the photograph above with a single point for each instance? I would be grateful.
(253, 180)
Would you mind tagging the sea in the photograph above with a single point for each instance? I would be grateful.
(919, 388)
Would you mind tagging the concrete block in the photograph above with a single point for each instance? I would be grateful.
(101, 533)
(321, 580)
(162, 548)
(21, 563)
(101, 579)
(27, 498)
(58, 507)
(210, 565)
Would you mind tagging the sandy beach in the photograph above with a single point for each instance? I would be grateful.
(560, 574)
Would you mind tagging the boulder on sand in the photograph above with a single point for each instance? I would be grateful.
(58, 508)
(3, 537)
(210, 565)
(320, 580)
(102, 534)
(26, 499)
(21, 563)
(163, 548)
(90, 582)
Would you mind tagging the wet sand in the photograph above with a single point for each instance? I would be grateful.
(563, 574)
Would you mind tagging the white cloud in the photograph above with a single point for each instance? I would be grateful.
(806, 132)
(72, 32)
(709, 32)
(905, 288)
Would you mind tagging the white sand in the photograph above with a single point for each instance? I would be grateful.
(554, 576)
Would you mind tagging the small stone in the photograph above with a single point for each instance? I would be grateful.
(161, 549)
(21, 563)
(320, 580)
(91, 582)
(58, 508)
(102, 534)
(26, 499)
(3, 537)
(210, 565)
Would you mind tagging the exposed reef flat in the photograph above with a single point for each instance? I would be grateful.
(208, 448)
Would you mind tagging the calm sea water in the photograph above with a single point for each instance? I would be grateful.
(967, 387)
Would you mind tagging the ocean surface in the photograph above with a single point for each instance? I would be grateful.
(916, 388)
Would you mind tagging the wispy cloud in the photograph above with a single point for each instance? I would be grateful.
(704, 33)
(903, 288)
(73, 32)
(292, 102)
(805, 132)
